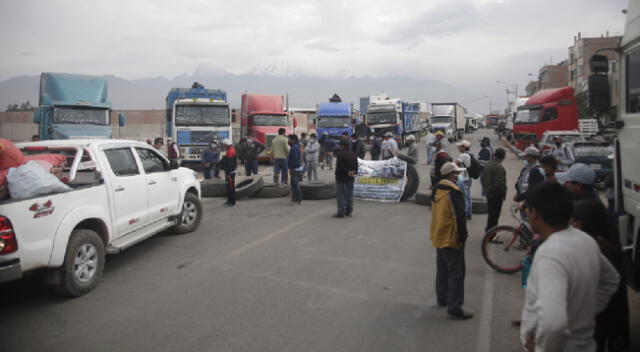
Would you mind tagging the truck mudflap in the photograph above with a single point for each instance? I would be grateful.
(10, 270)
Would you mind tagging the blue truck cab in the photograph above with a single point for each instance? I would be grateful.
(335, 119)
(73, 106)
(195, 117)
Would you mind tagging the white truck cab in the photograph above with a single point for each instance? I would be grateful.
(122, 193)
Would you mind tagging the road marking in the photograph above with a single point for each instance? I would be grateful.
(483, 342)
(277, 233)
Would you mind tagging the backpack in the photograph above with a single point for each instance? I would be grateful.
(475, 168)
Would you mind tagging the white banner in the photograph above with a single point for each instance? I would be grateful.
(380, 180)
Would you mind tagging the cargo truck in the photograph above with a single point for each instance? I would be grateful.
(335, 119)
(196, 116)
(448, 118)
(73, 106)
(262, 116)
(393, 115)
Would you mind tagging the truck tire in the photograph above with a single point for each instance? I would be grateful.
(191, 215)
(272, 190)
(413, 181)
(423, 198)
(405, 157)
(83, 264)
(249, 186)
(318, 190)
(479, 206)
(213, 187)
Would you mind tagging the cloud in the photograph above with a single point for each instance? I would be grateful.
(322, 45)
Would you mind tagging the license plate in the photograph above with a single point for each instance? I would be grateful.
(596, 166)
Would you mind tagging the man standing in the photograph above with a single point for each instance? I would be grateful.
(570, 280)
(357, 146)
(346, 170)
(304, 140)
(448, 235)
(311, 158)
(494, 184)
(486, 152)
(562, 153)
(158, 144)
(579, 181)
(211, 161)
(430, 149)
(376, 147)
(249, 152)
(327, 147)
(280, 147)
(389, 147)
(530, 175)
(296, 168)
(173, 152)
(230, 164)
(439, 139)
(464, 160)
(412, 150)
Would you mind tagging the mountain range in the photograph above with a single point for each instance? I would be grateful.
(304, 89)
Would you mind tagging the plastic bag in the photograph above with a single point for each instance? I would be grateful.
(30, 180)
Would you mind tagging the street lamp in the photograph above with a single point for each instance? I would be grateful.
(507, 86)
(490, 104)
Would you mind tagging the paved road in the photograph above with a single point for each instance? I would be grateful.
(272, 276)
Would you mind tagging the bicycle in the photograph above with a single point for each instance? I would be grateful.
(504, 246)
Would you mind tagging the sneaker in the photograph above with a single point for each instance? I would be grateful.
(338, 216)
(461, 315)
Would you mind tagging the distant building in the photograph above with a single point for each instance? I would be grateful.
(554, 76)
(532, 87)
(581, 52)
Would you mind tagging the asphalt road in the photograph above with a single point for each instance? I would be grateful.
(271, 276)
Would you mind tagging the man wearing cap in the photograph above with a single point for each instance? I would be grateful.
(439, 139)
(230, 164)
(448, 234)
(530, 175)
(389, 147)
(562, 153)
(280, 146)
(412, 150)
(579, 181)
(464, 161)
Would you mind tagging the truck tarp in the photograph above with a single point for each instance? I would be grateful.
(71, 90)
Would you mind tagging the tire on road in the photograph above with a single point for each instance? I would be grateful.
(318, 190)
(479, 206)
(423, 198)
(249, 186)
(272, 190)
(83, 264)
(404, 157)
(413, 181)
(191, 214)
(213, 187)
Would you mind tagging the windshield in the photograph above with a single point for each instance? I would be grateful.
(592, 150)
(441, 119)
(381, 117)
(334, 121)
(566, 138)
(202, 115)
(81, 116)
(270, 120)
(528, 116)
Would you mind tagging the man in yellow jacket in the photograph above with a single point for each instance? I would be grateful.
(448, 235)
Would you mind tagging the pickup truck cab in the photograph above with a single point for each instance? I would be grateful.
(122, 193)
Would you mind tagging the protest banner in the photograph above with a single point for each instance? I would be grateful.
(380, 180)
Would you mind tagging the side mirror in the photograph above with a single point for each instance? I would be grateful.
(599, 93)
(174, 164)
(37, 116)
(121, 120)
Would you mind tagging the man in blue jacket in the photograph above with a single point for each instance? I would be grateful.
(296, 168)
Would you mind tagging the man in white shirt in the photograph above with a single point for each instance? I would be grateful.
(464, 160)
(563, 154)
(389, 147)
(570, 280)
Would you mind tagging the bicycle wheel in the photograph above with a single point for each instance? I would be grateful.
(503, 248)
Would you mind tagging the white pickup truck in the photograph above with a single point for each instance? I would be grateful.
(122, 193)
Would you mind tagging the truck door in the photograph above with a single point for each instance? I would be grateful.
(162, 187)
(129, 190)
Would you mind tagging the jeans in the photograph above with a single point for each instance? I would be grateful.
(494, 206)
(450, 274)
(231, 189)
(251, 167)
(211, 172)
(296, 193)
(465, 187)
(344, 197)
(328, 159)
(312, 170)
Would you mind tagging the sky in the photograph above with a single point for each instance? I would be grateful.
(467, 43)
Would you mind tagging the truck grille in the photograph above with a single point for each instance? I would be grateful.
(269, 139)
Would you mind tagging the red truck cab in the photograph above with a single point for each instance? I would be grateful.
(263, 115)
(547, 110)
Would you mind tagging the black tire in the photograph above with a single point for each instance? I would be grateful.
(191, 215)
(213, 188)
(318, 190)
(249, 186)
(83, 264)
(423, 198)
(495, 254)
(408, 159)
(272, 190)
(413, 181)
(479, 206)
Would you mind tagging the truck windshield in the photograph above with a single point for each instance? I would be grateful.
(77, 115)
(381, 117)
(441, 119)
(528, 116)
(202, 115)
(270, 120)
(334, 121)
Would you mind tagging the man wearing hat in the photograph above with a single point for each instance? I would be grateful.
(530, 175)
(431, 145)
(579, 181)
(389, 147)
(448, 234)
(230, 164)
(464, 160)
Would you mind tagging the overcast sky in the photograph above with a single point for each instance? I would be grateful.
(469, 43)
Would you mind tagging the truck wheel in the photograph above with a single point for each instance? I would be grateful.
(413, 181)
(249, 186)
(83, 264)
(423, 198)
(191, 214)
